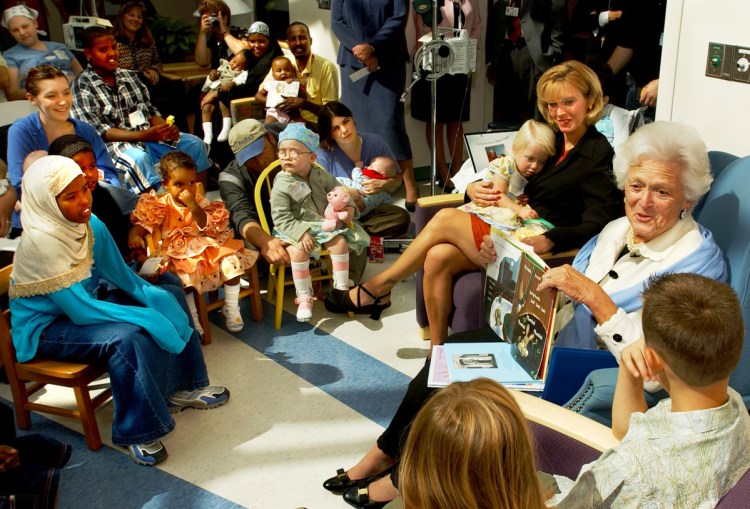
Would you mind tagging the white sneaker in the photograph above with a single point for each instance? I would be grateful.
(233, 318)
(304, 308)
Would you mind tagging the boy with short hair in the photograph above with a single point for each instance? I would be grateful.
(117, 103)
(691, 448)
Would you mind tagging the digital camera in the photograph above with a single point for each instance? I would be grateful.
(214, 20)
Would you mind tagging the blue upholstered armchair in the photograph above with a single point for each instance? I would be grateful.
(725, 211)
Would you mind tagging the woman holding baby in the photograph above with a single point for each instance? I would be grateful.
(349, 154)
(574, 190)
(663, 170)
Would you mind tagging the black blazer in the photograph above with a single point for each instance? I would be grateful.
(579, 195)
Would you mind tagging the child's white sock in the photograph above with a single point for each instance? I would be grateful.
(232, 295)
(226, 126)
(194, 313)
(340, 271)
(208, 133)
(302, 279)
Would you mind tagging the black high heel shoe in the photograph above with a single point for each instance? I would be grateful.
(338, 301)
(341, 483)
(358, 496)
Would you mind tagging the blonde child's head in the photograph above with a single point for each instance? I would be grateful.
(282, 69)
(532, 146)
(695, 325)
(384, 165)
(297, 147)
(178, 173)
(468, 448)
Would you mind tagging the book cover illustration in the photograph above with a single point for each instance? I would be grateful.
(467, 361)
(500, 286)
(532, 318)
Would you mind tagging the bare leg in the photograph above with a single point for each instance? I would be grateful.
(373, 462)
(455, 135)
(439, 148)
(449, 226)
(442, 263)
(382, 490)
(407, 172)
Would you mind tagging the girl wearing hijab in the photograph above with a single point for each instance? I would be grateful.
(74, 299)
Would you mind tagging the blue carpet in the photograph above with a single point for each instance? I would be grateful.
(109, 479)
(347, 374)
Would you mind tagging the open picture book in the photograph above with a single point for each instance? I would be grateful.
(521, 316)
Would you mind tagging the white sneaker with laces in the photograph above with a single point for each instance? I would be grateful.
(233, 318)
(304, 308)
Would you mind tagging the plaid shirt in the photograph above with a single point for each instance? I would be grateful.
(105, 107)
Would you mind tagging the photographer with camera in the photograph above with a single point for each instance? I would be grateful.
(210, 45)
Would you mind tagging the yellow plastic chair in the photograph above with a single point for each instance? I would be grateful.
(277, 272)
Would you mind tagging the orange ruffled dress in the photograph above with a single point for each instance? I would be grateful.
(203, 258)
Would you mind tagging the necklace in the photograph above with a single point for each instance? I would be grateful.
(634, 248)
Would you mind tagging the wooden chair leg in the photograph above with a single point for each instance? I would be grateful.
(88, 419)
(200, 303)
(255, 303)
(280, 274)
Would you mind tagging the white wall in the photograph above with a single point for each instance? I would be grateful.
(719, 109)
(326, 45)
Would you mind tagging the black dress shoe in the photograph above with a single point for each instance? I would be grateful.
(341, 482)
(358, 497)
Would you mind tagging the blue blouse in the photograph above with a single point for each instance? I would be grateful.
(162, 317)
(27, 135)
(339, 164)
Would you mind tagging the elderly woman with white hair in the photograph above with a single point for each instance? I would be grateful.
(30, 51)
(663, 170)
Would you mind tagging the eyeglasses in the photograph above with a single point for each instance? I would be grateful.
(290, 153)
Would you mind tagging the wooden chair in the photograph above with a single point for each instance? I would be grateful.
(277, 273)
(40, 372)
(211, 301)
(247, 107)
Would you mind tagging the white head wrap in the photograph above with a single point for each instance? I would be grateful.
(20, 10)
(54, 252)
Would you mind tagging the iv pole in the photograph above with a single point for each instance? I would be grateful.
(433, 101)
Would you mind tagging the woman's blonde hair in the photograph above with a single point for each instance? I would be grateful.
(536, 134)
(550, 85)
(469, 448)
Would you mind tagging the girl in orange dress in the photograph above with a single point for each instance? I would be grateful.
(194, 236)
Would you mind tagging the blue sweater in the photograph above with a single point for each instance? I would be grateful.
(162, 317)
(26, 135)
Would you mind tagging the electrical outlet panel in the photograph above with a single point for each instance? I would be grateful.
(720, 62)
(741, 68)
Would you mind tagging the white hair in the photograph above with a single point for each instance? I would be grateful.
(670, 142)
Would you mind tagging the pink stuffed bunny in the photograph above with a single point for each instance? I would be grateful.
(338, 211)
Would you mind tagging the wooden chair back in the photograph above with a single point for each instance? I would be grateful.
(27, 378)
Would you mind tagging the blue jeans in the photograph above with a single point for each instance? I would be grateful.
(142, 375)
(140, 166)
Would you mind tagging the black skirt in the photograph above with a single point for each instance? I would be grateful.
(453, 99)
